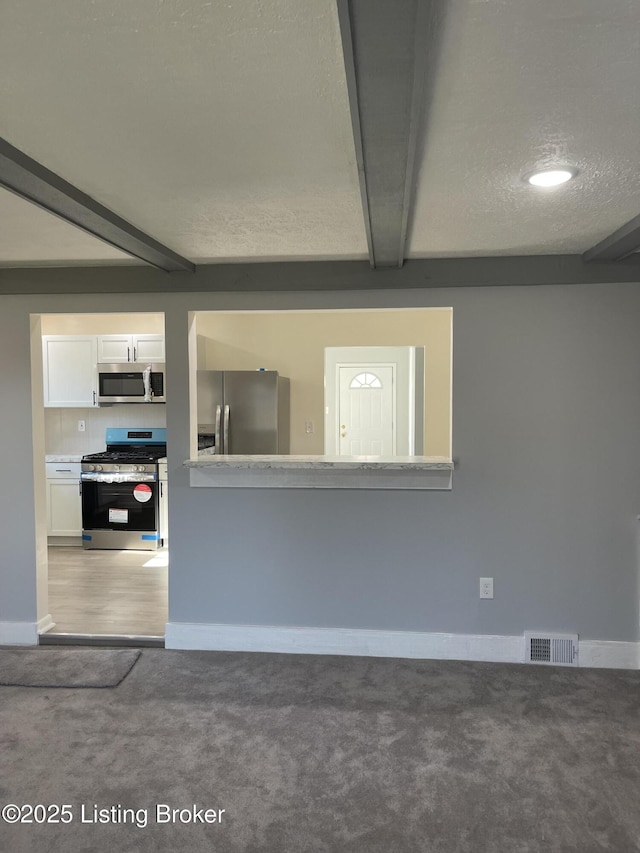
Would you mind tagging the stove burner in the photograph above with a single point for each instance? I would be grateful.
(148, 455)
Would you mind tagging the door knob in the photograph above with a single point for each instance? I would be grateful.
(343, 434)
(343, 426)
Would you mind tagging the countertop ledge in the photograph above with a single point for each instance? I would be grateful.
(321, 472)
(64, 457)
(350, 463)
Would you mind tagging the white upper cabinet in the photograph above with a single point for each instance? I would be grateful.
(70, 370)
(115, 348)
(148, 348)
(130, 348)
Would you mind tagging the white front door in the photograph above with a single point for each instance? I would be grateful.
(366, 410)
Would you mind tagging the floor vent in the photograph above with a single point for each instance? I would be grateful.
(555, 649)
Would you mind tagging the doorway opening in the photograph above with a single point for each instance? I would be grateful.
(116, 592)
(374, 401)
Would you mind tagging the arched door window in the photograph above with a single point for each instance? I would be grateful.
(365, 380)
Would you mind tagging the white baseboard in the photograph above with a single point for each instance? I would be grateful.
(45, 624)
(343, 641)
(64, 541)
(18, 634)
(368, 643)
(609, 654)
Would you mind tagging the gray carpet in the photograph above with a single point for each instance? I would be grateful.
(331, 755)
(42, 667)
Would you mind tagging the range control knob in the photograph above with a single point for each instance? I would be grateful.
(91, 467)
(98, 467)
(116, 467)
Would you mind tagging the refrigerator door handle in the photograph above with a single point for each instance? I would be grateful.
(219, 447)
(226, 429)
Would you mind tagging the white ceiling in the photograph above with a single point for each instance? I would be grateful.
(523, 84)
(223, 129)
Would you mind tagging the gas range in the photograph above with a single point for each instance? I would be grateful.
(121, 490)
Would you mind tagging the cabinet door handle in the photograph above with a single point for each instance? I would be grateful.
(80, 489)
(135, 357)
(128, 353)
(161, 490)
(63, 470)
(94, 398)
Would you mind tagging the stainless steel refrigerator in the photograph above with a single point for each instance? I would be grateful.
(243, 411)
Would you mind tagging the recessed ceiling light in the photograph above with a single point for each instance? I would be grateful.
(552, 177)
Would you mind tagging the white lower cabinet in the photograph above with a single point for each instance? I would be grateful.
(64, 504)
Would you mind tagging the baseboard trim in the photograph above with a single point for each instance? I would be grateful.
(609, 654)
(369, 643)
(343, 641)
(64, 541)
(45, 624)
(18, 633)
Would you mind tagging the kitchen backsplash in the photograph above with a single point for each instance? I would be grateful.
(61, 425)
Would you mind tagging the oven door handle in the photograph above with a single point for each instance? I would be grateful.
(226, 429)
(219, 448)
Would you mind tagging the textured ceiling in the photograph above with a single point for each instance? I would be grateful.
(522, 84)
(221, 129)
(29, 236)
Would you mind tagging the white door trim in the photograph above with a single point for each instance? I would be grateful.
(409, 385)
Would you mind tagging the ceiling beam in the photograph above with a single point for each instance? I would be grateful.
(34, 182)
(389, 54)
(622, 243)
(321, 276)
(352, 92)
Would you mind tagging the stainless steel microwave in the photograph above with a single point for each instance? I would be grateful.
(131, 383)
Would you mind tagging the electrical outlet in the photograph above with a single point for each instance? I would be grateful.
(308, 427)
(82, 425)
(486, 587)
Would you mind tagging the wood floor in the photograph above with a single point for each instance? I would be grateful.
(108, 592)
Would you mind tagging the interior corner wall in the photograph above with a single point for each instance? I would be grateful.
(19, 551)
(545, 499)
(110, 323)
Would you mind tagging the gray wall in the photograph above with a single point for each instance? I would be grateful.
(18, 550)
(545, 496)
